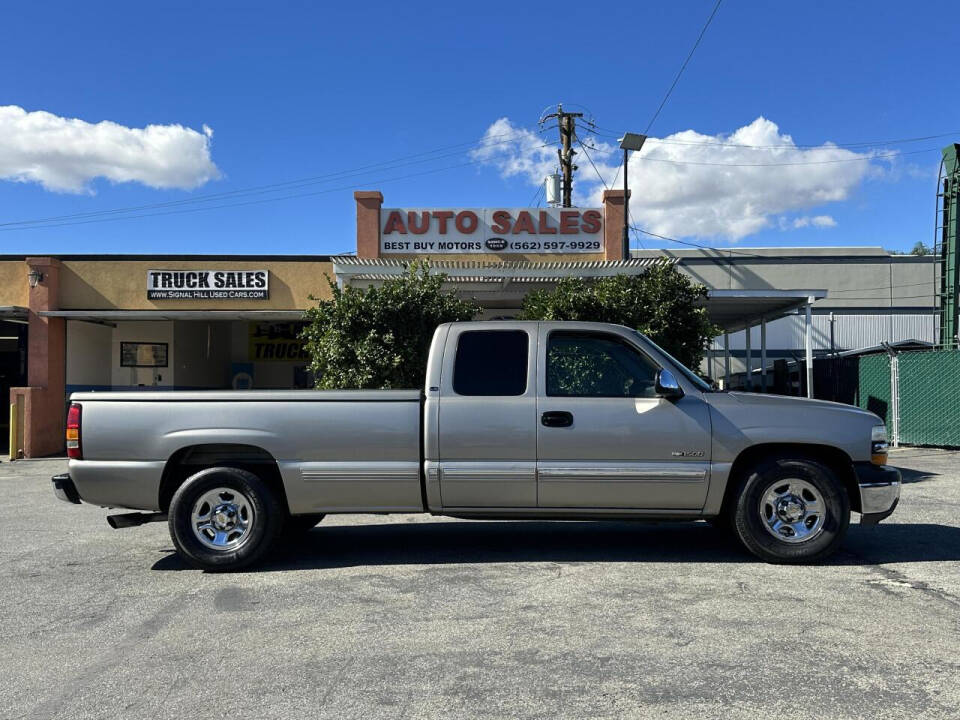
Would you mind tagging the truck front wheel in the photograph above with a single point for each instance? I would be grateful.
(791, 510)
(223, 519)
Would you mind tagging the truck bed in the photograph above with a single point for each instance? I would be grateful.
(336, 451)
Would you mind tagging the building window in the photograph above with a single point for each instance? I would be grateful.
(491, 362)
(136, 354)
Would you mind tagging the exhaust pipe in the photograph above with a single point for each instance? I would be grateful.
(134, 519)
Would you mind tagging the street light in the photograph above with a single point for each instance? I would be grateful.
(34, 277)
(629, 141)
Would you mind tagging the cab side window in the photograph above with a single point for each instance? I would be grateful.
(491, 362)
(597, 365)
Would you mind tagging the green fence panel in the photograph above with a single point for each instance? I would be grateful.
(930, 397)
(873, 392)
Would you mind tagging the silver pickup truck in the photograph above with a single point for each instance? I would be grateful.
(521, 420)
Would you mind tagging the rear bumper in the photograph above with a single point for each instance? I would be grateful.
(64, 489)
(879, 491)
(118, 483)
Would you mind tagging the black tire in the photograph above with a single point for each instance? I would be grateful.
(747, 513)
(300, 524)
(265, 515)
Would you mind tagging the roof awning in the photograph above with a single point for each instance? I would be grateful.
(14, 313)
(494, 283)
(736, 309)
(348, 268)
(204, 315)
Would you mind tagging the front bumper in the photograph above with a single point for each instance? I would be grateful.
(879, 491)
(64, 489)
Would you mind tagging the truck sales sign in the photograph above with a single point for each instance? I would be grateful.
(459, 231)
(208, 284)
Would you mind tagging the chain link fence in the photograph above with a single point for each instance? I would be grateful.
(929, 396)
(874, 386)
(916, 392)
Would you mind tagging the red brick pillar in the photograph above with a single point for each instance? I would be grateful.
(44, 399)
(613, 211)
(368, 222)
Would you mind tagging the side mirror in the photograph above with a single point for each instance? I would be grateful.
(667, 385)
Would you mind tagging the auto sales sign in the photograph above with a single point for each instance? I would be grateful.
(208, 284)
(463, 231)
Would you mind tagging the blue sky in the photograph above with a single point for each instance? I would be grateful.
(300, 90)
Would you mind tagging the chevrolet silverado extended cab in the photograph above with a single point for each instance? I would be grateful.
(523, 420)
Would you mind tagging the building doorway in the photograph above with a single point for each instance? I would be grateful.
(13, 371)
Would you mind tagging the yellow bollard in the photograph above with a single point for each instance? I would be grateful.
(13, 431)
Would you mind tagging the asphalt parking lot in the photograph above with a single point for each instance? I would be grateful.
(419, 617)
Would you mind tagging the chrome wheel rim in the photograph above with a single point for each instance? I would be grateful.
(222, 519)
(792, 510)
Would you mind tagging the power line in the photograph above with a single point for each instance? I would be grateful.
(682, 67)
(617, 173)
(273, 187)
(239, 204)
(636, 235)
(886, 287)
(584, 148)
(536, 195)
(822, 146)
(900, 297)
(697, 245)
(867, 158)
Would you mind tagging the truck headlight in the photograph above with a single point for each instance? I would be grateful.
(878, 445)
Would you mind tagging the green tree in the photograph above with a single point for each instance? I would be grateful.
(918, 249)
(661, 303)
(380, 337)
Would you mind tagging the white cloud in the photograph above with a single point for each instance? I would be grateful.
(694, 185)
(817, 221)
(66, 154)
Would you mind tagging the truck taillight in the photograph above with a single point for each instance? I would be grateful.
(74, 448)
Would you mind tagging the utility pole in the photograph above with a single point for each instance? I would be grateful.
(567, 123)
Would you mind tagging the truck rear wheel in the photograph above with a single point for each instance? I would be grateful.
(223, 519)
(791, 510)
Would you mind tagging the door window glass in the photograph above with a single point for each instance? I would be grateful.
(491, 362)
(591, 365)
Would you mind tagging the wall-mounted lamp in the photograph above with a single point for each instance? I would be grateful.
(35, 277)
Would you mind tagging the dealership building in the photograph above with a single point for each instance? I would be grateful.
(85, 322)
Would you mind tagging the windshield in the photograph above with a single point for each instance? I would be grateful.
(701, 384)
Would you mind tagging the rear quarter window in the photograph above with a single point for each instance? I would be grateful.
(491, 363)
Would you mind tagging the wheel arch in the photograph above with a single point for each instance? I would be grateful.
(833, 457)
(191, 459)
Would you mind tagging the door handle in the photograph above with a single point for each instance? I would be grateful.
(557, 418)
